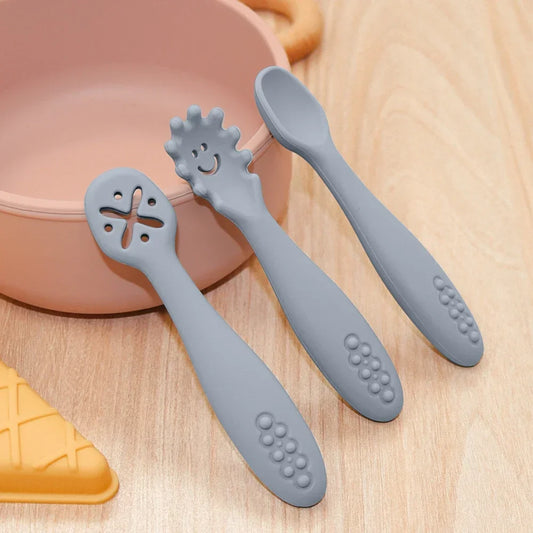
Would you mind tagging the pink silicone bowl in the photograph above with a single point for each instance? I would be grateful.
(88, 85)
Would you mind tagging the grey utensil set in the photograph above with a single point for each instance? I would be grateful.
(252, 406)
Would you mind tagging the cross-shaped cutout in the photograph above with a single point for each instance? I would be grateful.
(131, 218)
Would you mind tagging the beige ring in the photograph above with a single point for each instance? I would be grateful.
(304, 33)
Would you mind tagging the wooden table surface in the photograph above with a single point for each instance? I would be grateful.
(431, 102)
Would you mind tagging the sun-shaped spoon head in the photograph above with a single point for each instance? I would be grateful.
(205, 155)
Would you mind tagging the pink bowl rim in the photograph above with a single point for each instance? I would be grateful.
(31, 207)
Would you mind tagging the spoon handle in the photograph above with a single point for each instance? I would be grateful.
(249, 401)
(334, 333)
(413, 277)
(252, 406)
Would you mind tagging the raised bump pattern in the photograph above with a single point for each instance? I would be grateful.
(369, 368)
(457, 310)
(283, 450)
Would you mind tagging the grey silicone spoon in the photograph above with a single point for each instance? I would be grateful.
(414, 278)
(252, 406)
(336, 336)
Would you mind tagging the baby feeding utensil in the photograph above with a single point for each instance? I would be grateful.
(414, 278)
(252, 406)
(336, 336)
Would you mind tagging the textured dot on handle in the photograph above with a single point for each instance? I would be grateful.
(474, 336)
(375, 388)
(352, 342)
(388, 396)
(366, 350)
(280, 430)
(291, 446)
(355, 359)
(301, 462)
(444, 298)
(288, 471)
(303, 481)
(469, 320)
(365, 373)
(268, 440)
(376, 365)
(461, 306)
(278, 456)
(265, 421)
(450, 292)
(439, 283)
(463, 328)
(454, 313)
(385, 379)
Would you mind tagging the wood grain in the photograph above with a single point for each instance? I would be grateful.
(431, 104)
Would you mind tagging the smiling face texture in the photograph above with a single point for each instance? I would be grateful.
(207, 162)
(201, 148)
(205, 155)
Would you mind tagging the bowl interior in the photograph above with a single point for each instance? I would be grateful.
(90, 85)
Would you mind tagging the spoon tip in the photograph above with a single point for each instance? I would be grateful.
(291, 112)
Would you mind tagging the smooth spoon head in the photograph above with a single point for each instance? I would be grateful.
(291, 112)
(109, 206)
